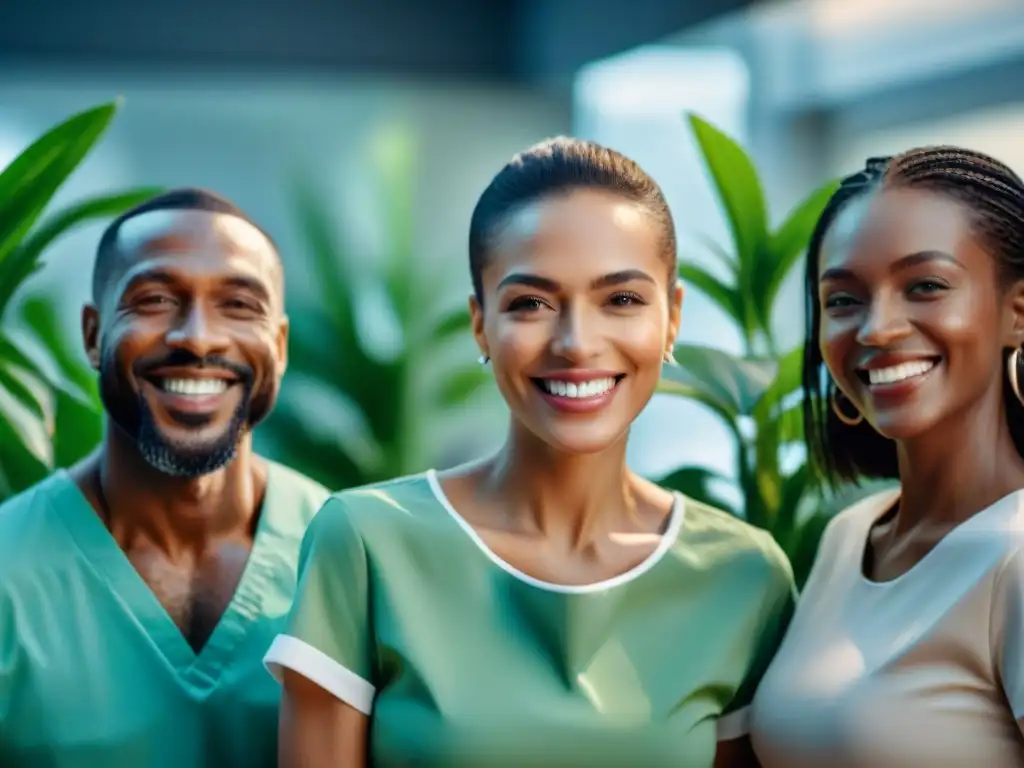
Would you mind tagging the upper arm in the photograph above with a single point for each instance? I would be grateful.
(324, 657)
(317, 729)
(775, 610)
(1007, 632)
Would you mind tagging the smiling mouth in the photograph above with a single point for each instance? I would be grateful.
(197, 386)
(578, 390)
(895, 374)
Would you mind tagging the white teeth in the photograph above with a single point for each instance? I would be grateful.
(900, 372)
(194, 387)
(591, 388)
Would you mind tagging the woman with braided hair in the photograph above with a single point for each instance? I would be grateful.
(907, 646)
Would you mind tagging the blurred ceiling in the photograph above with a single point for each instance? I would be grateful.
(512, 41)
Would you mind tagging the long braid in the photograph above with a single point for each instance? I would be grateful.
(994, 195)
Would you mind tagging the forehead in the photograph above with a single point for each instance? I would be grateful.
(197, 245)
(585, 232)
(893, 223)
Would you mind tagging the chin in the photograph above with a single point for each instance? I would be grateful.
(583, 441)
(903, 426)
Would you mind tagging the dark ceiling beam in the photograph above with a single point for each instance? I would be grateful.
(429, 38)
(520, 41)
(558, 37)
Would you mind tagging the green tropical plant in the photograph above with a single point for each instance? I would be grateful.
(355, 409)
(756, 394)
(49, 413)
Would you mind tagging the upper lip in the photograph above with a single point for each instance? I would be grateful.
(577, 375)
(890, 359)
(192, 372)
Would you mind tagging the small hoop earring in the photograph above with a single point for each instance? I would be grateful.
(1013, 372)
(483, 359)
(850, 421)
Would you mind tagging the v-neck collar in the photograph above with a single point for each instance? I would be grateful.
(200, 671)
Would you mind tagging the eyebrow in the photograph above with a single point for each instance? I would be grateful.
(910, 260)
(163, 277)
(547, 284)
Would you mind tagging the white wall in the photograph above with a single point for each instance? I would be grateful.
(995, 130)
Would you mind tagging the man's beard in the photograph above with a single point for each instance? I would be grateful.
(131, 413)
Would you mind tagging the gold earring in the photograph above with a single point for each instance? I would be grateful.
(850, 421)
(1013, 371)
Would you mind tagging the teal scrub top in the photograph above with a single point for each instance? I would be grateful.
(93, 671)
(461, 660)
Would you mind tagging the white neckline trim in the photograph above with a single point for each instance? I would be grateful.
(675, 524)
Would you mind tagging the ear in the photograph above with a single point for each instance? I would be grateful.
(675, 315)
(1014, 326)
(476, 316)
(91, 335)
(283, 330)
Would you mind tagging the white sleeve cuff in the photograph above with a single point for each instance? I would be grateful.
(735, 725)
(291, 653)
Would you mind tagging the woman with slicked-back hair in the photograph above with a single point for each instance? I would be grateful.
(907, 647)
(543, 606)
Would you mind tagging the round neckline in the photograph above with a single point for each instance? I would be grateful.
(891, 498)
(668, 538)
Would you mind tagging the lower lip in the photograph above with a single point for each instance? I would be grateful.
(578, 404)
(899, 390)
(174, 401)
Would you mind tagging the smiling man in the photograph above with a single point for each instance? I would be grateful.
(140, 590)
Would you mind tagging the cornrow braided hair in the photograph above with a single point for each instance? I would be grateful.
(994, 195)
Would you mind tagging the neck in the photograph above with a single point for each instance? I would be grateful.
(176, 513)
(959, 469)
(573, 498)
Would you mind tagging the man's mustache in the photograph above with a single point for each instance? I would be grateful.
(181, 358)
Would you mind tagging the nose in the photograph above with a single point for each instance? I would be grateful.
(886, 322)
(576, 338)
(196, 333)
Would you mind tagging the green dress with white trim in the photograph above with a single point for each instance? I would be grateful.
(461, 660)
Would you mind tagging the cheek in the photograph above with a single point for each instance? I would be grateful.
(643, 339)
(836, 339)
(519, 341)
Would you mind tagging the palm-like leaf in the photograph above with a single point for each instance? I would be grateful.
(758, 397)
(49, 411)
(350, 412)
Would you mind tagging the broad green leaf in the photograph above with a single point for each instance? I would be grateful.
(454, 323)
(791, 239)
(459, 386)
(791, 424)
(29, 351)
(30, 389)
(723, 257)
(739, 191)
(736, 383)
(697, 483)
(27, 427)
(59, 223)
(788, 377)
(327, 416)
(724, 296)
(28, 184)
(794, 487)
